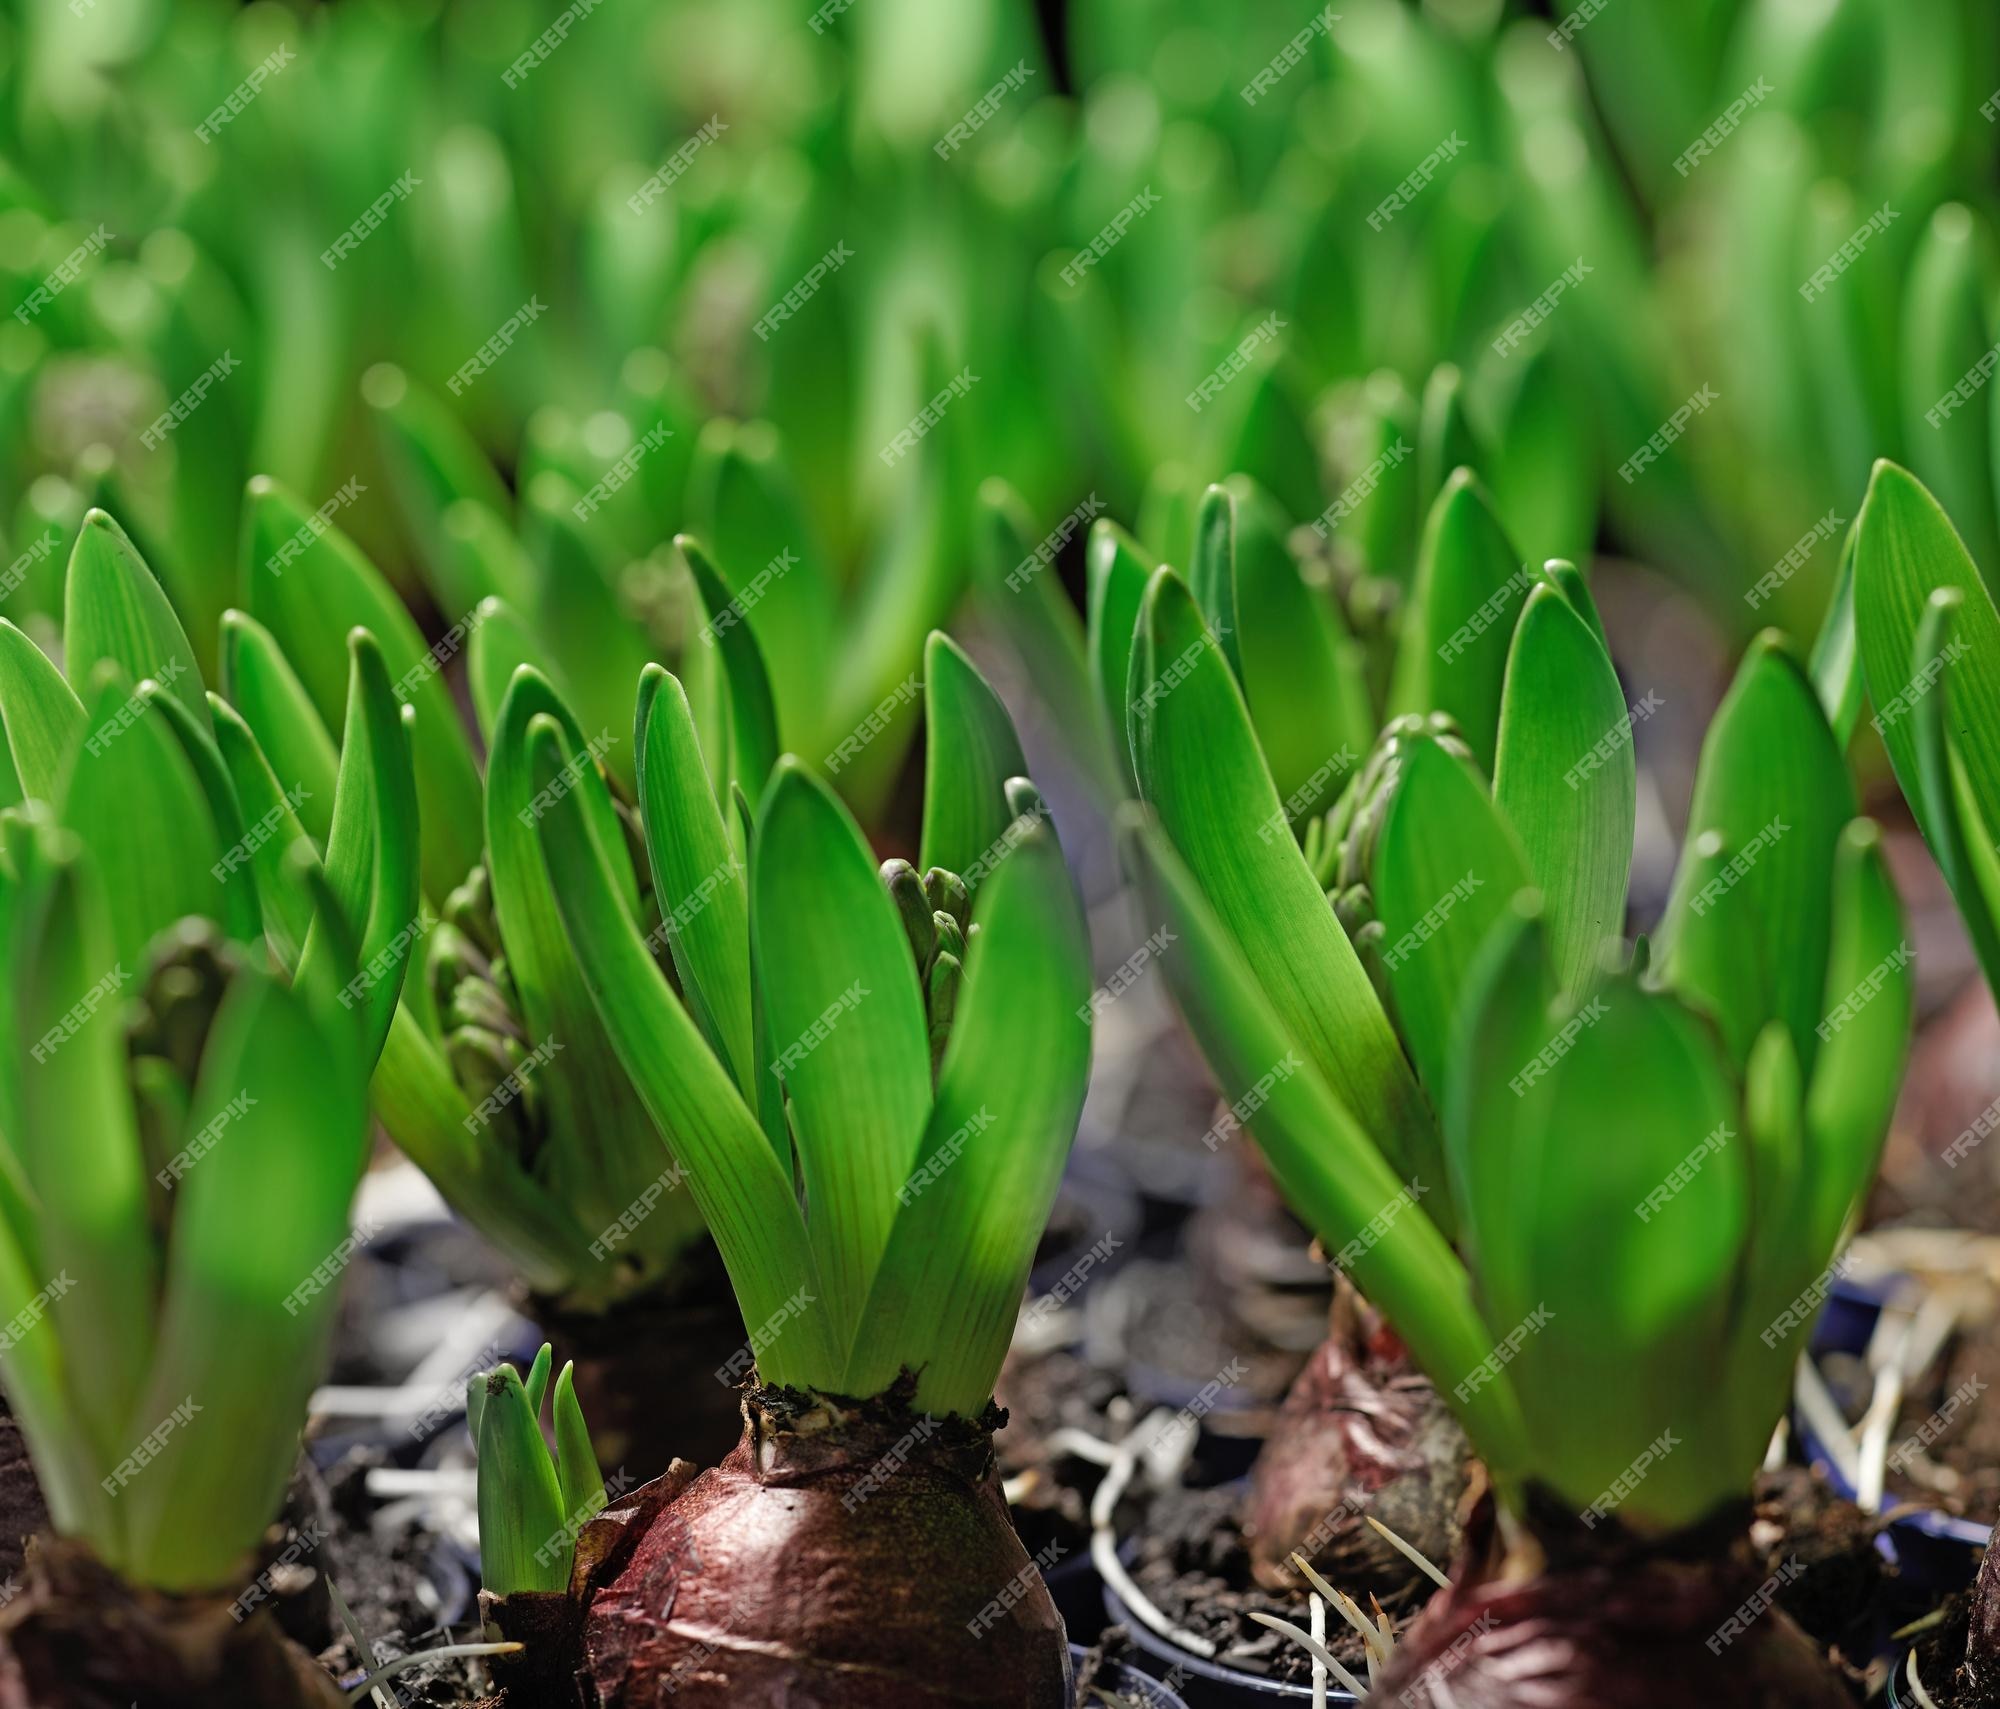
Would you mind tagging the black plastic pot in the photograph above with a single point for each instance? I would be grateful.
(1206, 1684)
(1130, 1688)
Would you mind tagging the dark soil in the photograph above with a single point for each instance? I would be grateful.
(1839, 1598)
(1968, 1451)
(1042, 1393)
(1194, 1563)
(1941, 1660)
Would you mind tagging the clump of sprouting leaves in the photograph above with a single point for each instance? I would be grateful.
(534, 1498)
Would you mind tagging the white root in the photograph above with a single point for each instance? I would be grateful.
(1314, 1648)
(1411, 1551)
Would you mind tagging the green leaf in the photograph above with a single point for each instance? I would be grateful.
(754, 718)
(1327, 1166)
(310, 586)
(260, 1238)
(241, 914)
(1745, 933)
(749, 513)
(970, 753)
(746, 1196)
(371, 862)
(1647, 1260)
(1200, 768)
(1904, 553)
(1836, 654)
(129, 774)
(699, 883)
(1866, 1009)
(520, 1495)
(1446, 868)
(1116, 567)
(114, 608)
(1564, 778)
(576, 1461)
(1452, 655)
(42, 715)
(607, 1149)
(1021, 594)
(846, 1023)
(80, 1151)
(948, 1291)
(502, 642)
(481, 559)
(537, 1380)
(1212, 571)
(1303, 675)
(258, 680)
(269, 847)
